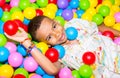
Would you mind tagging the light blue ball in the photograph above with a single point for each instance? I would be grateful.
(21, 49)
(1, 27)
(26, 21)
(74, 3)
(1, 12)
(79, 13)
(4, 53)
(40, 71)
(71, 33)
(61, 50)
(59, 12)
(48, 76)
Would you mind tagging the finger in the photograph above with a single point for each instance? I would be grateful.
(21, 29)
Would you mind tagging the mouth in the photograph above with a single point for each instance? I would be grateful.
(62, 37)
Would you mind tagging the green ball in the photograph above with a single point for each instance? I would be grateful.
(104, 10)
(112, 1)
(84, 4)
(21, 71)
(3, 40)
(85, 71)
(42, 3)
(7, 0)
(76, 74)
(1, 64)
(60, 20)
(34, 5)
(13, 9)
(97, 18)
(24, 4)
(6, 16)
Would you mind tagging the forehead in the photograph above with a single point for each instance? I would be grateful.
(44, 29)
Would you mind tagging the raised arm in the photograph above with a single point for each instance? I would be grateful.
(103, 28)
(42, 60)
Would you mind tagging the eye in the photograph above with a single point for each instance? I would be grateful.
(54, 26)
(48, 38)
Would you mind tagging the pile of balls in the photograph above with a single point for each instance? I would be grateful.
(14, 60)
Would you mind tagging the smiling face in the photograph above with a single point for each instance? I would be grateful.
(51, 32)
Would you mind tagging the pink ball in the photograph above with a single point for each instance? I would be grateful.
(32, 1)
(15, 59)
(11, 47)
(14, 3)
(65, 73)
(35, 76)
(117, 16)
(30, 64)
(117, 40)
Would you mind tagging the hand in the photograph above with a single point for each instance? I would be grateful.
(20, 36)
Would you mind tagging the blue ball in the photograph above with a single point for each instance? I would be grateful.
(26, 21)
(4, 53)
(48, 76)
(59, 12)
(1, 27)
(1, 12)
(61, 50)
(71, 33)
(74, 3)
(79, 13)
(40, 71)
(21, 49)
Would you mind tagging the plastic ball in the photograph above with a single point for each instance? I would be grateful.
(52, 1)
(39, 12)
(13, 9)
(24, 4)
(109, 20)
(3, 40)
(60, 20)
(19, 76)
(36, 76)
(109, 34)
(49, 13)
(79, 13)
(6, 7)
(89, 58)
(52, 54)
(21, 71)
(62, 4)
(11, 47)
(52, 7)
(71, 33)
(1, 12)
(65, 72)
(84, 4)
(99, 1)
(93, 3)
(115, 8)
(59, 12)
(112, 1)
(2, 2)
(85, 71)
(107, 3)
(117, 16)
(1, 27)
(117, 40)
(17, 15)
(6, 16)
(116, 26)
(67, 14)
(74, 3)
(87, 16)
(22, 50)
(4, 53)
(97, 18)
(75, 73)
(104, 10)
(6, 70)
(42, 46)
(61, 50)
(117, 2)
(30, 64)
(91, 11)
(40, 71)
(32, 1)
(29, 12)
(42, 3)
(48, 76)
(14, 3)
(10, 27)
(15, 59)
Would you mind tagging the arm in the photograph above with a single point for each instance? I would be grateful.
(42, 60)
(103, 28)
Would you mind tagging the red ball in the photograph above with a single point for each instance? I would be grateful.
(19, 76)
(52, 1)
(52, 54)
(39, 12)
(99, 1)
(6, 7)
(108, 34)
(2, 2)
(10, 27)
(88, 58)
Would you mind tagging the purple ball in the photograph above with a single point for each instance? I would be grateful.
(11, 47)
(67, 14)
(117, 40)
(62, 4)
(35, 76)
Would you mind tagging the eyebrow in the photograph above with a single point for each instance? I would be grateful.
(48, 35)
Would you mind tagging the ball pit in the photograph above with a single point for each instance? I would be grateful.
(18, 13)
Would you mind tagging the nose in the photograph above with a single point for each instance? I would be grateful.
(56, 33)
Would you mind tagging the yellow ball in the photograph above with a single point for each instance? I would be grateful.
(116, 26)
(117, 2)
(93, 66)
(29, 12)
(109, 20)
(49, 13)
(74, 15)
(115, 8)
(107, 3)
(43, 9)
(6, 71)
(52, 7)
(31, 74)
(93, 3)
(112, 12)
(87, 16)
(17, 15)
(91, 11)
(42, 46)
(92, 76)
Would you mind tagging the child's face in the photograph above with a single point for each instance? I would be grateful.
(51, 32)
